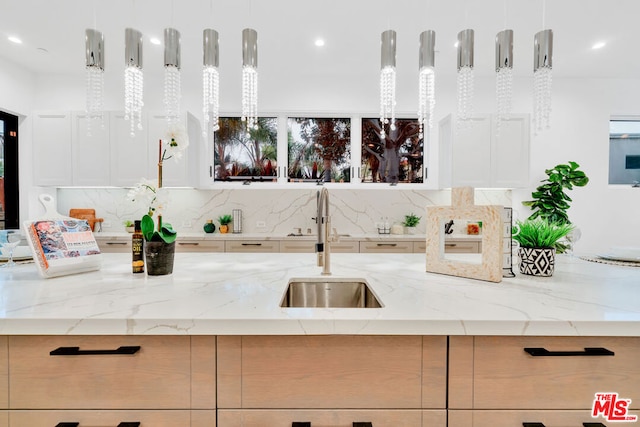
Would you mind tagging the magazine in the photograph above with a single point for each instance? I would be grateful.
(61, 240)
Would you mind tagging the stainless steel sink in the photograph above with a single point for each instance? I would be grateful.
(329, 292)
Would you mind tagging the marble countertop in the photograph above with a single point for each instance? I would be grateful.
(263, 236)
(240, 293)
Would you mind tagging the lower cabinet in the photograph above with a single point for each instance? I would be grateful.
(108, 380)
(332, 418)
(397, 377)
(252, 246)
(173, 418)
(536, 418)
(187, 245)
(398, 246)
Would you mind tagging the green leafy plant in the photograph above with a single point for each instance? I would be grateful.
(541, 233)
(225, 219)
(128, 223)
(411, 220)
(550, 201)
(164, 233)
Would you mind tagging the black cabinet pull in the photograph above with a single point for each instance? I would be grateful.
(588, 351)
(251, 244)
(583, 425)
(362, 424)
(301, 424)
(122, 424)
(75, 351)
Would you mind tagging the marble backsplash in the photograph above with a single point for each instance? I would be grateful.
(353, 211)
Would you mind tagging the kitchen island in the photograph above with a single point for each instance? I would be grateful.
(210, 346)
(240, 293)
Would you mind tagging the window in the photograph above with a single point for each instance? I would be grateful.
(9, 200)
(624, 151)
(242, 156)
(398, 157)
(319, 149)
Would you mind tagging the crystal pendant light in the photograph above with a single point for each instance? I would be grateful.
(465, 76)
(172, 75)
(542, 77)
(426, 92)
(210, 81)
(504, 74)
(250, 78)
(94, 43)
(388, 81)
(133, 79)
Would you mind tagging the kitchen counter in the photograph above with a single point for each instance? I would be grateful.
(235, 294)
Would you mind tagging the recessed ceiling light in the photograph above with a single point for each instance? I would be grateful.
(155, 41)
(14, 39)
(598, 45)
(319, 42)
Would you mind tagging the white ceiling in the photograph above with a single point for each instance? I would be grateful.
(53, 33)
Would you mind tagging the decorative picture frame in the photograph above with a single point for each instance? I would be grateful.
(463, 208)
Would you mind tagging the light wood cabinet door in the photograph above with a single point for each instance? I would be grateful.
(331, 372)
(4, 374)
(157, 376)
(461, 247)
(329, 418)
(497, 372)
(514, 418)
(187, 245)
(392, 246)
(113, 245)
(252, 246)
(298, 246)
(104, 418)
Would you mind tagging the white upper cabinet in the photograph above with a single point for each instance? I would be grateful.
(52, 164)
(91, 160)
(480, 154)
(65, 153)
(129, 154)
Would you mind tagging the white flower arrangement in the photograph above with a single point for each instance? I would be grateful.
(153, 196)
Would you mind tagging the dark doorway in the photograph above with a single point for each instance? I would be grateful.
(9, 200)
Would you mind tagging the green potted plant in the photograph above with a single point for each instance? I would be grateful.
(128, 225)
(550, 200)
(224, 221)
(410, 223)
(537, 239)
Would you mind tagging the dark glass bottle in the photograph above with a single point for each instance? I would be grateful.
(137, 249)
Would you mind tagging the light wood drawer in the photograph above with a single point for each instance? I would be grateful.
(512, 418)
(199, 245)
(461, 247)
(390, 246)
(298, 246)
(497, 373)
(113, 245)
(158, 376)
(346, 246)
(326, 418)
(173, 418)
(252, 246)
(331, 372)
(4, 374)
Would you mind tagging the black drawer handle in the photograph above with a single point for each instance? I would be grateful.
(75, 351)
(252, 244)
(122, 424)
(583, 425)
(117, 243)
(388, 244)
(588, 351)
(362, 424)
(188, 243)
(301, 424)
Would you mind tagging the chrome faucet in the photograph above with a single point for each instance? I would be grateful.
(323, 247)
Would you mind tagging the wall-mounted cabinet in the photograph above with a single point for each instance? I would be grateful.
(66, 154)
(483, 153)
